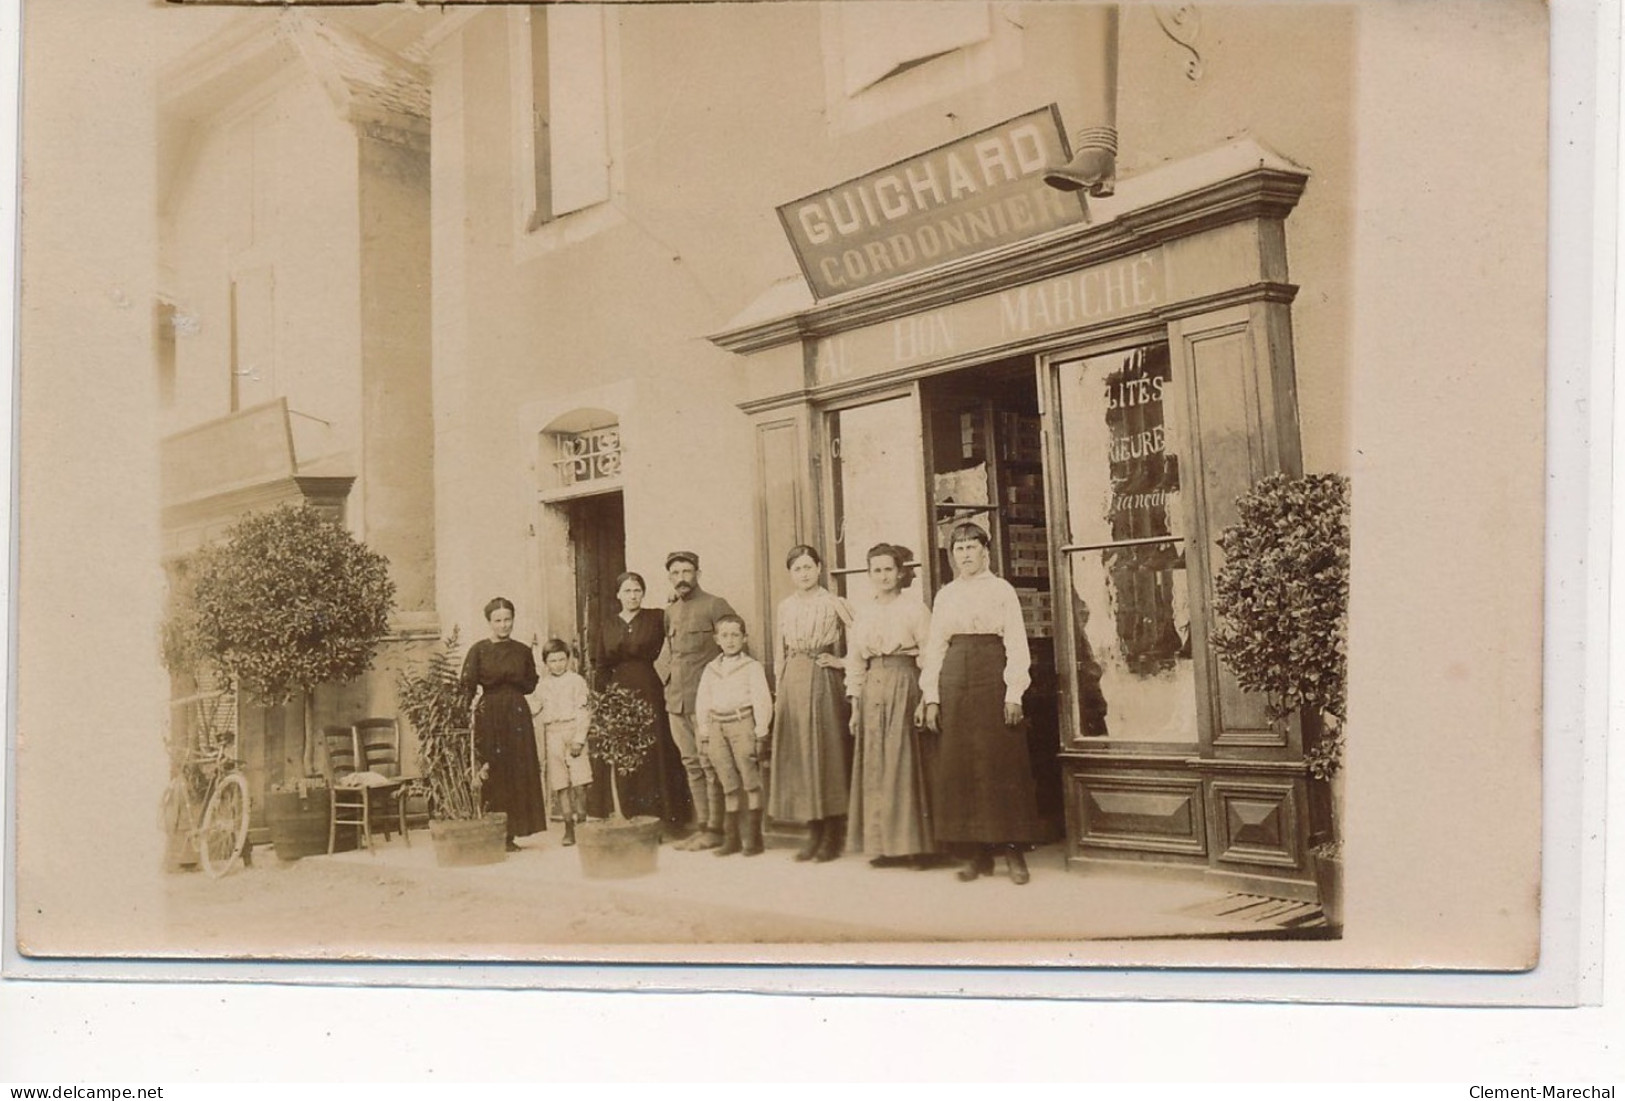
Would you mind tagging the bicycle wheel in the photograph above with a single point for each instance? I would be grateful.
(225, 826)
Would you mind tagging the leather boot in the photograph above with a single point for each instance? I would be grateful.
(752, 842)
(834, 839)
(569, 831)
(1016, 865)
(699, 791)
(981, 864)
(712, 836)
(730, 834)
(815, 838)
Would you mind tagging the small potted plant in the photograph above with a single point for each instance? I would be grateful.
(622, 735)
(449, 770)
(1281, 601)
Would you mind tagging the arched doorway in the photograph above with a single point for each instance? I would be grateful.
(584, 527)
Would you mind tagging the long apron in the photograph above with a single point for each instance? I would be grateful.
(982, 779)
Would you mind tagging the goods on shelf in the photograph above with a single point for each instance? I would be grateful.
(1029, 551)
(1023, 497)
(1037, 612)
(971, 441)
(1020, 438)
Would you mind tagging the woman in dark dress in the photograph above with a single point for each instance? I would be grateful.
(627, 649)
(497, 675)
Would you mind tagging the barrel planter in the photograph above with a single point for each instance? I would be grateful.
(297, 822)
(460, 844)
(619, 848)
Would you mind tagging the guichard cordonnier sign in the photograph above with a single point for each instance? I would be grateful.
(980, 192)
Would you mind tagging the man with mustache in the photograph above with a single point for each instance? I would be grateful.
(691, 618)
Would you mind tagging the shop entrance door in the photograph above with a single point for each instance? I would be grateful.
(984, 463)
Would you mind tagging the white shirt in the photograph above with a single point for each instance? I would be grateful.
(729, 684)
(564, 699)
(879, 628)
(984, 604)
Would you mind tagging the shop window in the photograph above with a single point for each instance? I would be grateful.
(875, 451)
(1125, 550)
(561, 110)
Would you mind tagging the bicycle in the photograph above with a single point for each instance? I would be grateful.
(207, 802)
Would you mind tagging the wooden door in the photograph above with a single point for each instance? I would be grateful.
(598, 541)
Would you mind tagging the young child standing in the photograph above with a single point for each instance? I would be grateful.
(732, 711)
(565, 714)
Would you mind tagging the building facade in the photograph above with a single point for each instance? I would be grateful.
(638, 344)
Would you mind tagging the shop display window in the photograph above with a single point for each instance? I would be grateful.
(1125, 547)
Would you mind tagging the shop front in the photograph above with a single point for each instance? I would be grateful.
(1095, 392)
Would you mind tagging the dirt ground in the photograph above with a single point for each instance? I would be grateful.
(537, 904)
(349, 904)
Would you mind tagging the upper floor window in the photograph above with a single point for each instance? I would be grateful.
(561, 110)
(887, 38)
(884, 58)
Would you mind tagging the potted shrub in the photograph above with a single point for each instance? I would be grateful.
(286, 602)
(1281, 603)
(622, 735)
(449, 770)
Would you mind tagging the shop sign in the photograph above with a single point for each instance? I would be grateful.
(1091, 296)
(981, 192)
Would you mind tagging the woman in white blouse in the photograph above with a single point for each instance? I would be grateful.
(889, 812)
(808, 776)
(975, 670)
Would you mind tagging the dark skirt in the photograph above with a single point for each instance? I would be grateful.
(982, 789)
(808, 770)
(505, 739)
(890, 807)
(658, 787)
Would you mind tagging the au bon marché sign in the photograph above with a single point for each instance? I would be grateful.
(980, 192)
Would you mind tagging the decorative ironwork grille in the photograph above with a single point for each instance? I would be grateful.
(591, 456)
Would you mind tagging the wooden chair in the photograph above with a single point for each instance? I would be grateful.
(378, 742)
(365, 747)
(345, 806)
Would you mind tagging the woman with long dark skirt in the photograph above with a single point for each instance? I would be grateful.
(976, 668)
(498, 674)
(627, 648)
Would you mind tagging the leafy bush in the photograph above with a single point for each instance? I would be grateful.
(622, 733)
(1281, 598)
(288, 601)
(1325, 757)
(437, 706)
